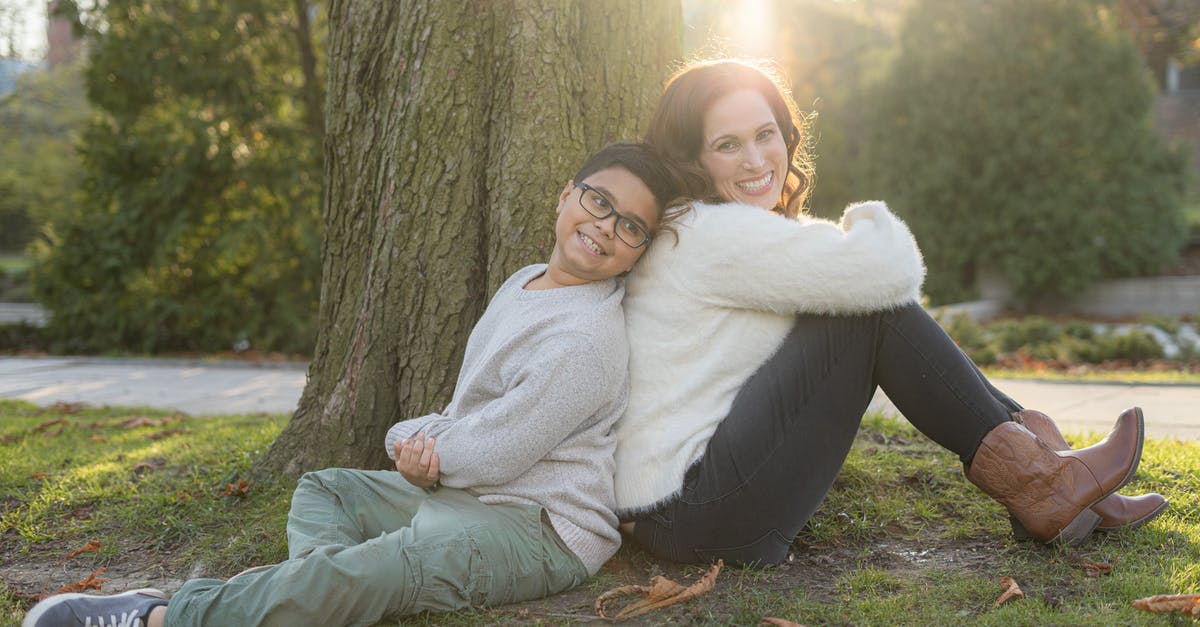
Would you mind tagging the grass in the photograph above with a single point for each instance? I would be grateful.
(1151, 377)
(901, 539)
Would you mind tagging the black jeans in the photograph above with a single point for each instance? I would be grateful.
(773, 458)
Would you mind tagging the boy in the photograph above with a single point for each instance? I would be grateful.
(505, 496)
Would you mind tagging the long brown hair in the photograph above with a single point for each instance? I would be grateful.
(677, 127)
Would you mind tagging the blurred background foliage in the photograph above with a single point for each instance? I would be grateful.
(196, 224)
(177, 209)
(40, 166)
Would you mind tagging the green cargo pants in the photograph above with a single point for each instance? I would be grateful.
(367, 545)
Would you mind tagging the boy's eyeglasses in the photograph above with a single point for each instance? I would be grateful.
(599, 206)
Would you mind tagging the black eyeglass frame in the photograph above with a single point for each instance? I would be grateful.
(646, 238)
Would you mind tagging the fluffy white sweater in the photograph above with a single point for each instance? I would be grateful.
(703, 315)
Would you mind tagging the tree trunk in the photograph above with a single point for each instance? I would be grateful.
(450, 129)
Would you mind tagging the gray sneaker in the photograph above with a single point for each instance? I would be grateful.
(128, 609)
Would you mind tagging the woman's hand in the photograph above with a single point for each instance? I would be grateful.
(417, 461)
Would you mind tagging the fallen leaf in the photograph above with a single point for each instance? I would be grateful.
(49, 423)
(241, 489)
(1095, 569)
(98, 438)
(38, 475)
(778, 622)
(1090, 569)
(1011, 591)
(659, 594)
(139, 421)
(165, 434)
(93, 546)
(156, 463)
(92, 582)
(1187, 604)
(63, 408)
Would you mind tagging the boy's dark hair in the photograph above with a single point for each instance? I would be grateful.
(642, 161)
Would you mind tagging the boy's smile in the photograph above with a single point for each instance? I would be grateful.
(588, 248)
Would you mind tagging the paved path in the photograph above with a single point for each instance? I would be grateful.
(203, 387)
(196, 387)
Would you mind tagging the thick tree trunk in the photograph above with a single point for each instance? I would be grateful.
(450, 128)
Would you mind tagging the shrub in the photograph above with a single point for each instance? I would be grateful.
(1132, 345)
(198, 225)
(1016, 137)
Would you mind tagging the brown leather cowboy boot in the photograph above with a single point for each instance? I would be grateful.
(1051, 492)
(1116, 510)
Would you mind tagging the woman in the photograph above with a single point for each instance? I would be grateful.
(759, 338)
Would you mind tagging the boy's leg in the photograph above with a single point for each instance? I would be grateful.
(345, 506)
(457, 553)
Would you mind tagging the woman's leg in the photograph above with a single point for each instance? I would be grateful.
(772, 460)
(456, 553)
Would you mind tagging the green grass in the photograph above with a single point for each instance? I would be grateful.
(901, 539)
(1162, 377)
(144, 491)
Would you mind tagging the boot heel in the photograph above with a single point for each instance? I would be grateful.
(1079, 528)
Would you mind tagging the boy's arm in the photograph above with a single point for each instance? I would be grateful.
(560, 386)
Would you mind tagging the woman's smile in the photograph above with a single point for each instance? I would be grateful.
(758, 185)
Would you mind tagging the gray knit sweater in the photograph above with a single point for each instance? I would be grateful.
(543, 380)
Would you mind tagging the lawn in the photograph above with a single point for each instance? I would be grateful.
(902, 538)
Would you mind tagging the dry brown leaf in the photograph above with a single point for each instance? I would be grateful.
(1095, 569)
(154, 463)
(778, 622)
(93, 546)
(97, 438)
(38, 475)
(1011, 591)
(164, 434)
(63, 408)
(659, 594)
(240, 489)
(92, 582)
(1187, 604)
(1090, 569)
(49, 423)
(134, 422)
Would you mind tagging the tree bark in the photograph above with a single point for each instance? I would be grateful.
(450, 129)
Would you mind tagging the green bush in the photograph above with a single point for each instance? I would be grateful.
(14, 285)
(1042, 339)
(1132, 345)
(21, 337)
(198, 223)
(1016, 137)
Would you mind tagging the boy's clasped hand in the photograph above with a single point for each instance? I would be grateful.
(417, 461)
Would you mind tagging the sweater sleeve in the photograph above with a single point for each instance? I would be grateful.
(739, 256)
(405, 429)
(561, 385)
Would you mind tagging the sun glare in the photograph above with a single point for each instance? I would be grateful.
(755, 31)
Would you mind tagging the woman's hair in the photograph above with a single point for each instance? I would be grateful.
(677, 127)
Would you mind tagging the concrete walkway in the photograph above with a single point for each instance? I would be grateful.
(204, 387)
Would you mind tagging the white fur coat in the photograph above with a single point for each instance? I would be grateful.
(703, 315)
